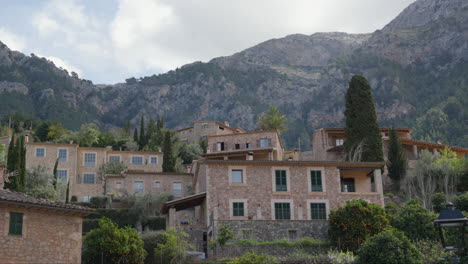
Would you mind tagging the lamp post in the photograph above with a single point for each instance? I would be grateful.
(450, 218)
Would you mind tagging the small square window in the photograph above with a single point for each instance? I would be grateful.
(264, 143)
(154, 160)
(177, 189)
(282, 211)
(318, 211)
(138, 187)
(16, 224)
(237, 146)
(62, 175)
(138, 160)
(220, 146)
(114, 159)
(237, 176)
(339, 142)
(248, 145)
(87, 198)
(118, 185)
(40, 152)
(90, 159)
(62, 155)
(89, 178)
(156, 185)
(238, 209)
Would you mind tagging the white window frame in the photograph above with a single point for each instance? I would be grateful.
(66, 152)
(138, 156)
(87, 198)
(115, 155)
(35, 152)
(339, 140)
(156, 185)
(181, 189)
(267, 142)
(244, 175)
(117, 187)
(66, 174)
(84, 173)
(95, 159)
(231, 208)
(151, 161)
(291, 206)
(273, 179)
(327, 207)
(322, 169)
(142, 187)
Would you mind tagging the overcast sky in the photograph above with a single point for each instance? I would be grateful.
(107, 41)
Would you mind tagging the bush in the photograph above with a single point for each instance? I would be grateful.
(415, 221)
(98, 202)
(74, 199)
(336, 257)
(156, 223)
(351, 224)
(389, 247)
(150, 240)
(252, 257)
(433, 253)
(461, 202)
(174, 247)
(438, 202)
(90, 224)
(113, 244)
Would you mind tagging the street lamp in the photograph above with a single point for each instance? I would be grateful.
(450, 218)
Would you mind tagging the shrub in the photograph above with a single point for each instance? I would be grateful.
(415, 221)
(225, 234)
(113, 244)
(74, 199)
(150, 240)
(174, 247)
(351, 224)
(156, 223)
(433, 253)
(90, 224)
(336, 257)
(98, 201)
(253, 257)
(438, 202)
(461, 202)
(389, 247)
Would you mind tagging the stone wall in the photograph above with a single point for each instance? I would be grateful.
(253, 138)
(48, 237)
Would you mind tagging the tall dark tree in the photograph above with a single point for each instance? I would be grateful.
(168, 158)
(151, 129)
(142, 138)
(21, 164)
(11, 158)
(396, 159)
(67, 194)
(363, 140)
(126, 129)
(135, 135)
(17, 162)
(55, 172)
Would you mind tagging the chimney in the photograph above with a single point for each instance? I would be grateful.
(250, 156)
(26, 138)
(226, 123)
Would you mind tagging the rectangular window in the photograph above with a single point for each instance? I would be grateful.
(339, 142)
(316, 181)
(138, 160)
(318, 211)
(88, 178)
(138, 187)
(40, 152)
(62, 155)
(237, 176)
(281, 181)
(62, 175)
(154, 160)
(90, 159)
(282, 211)
(347, 185)
(118, 185)
(237, 146)
(156, 185)
(264, 143)
(238, 209)
(220, 146)
(16, 224)
(177, 189)
(87, 198)
(248, 145)
(114, 159)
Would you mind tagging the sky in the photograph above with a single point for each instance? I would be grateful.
(108, 41)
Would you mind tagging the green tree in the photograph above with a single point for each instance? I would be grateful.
(135, 135)
(67, 194)
(432, 126)
(226, 233)
(40, 183)
(126, 129)
(438, 202)
(389, 247)
(396, 160)
(169, 161)
(363, 140)
(3, 155)
(55, 173)
(188, 152)
(113, 244)
(142, 137)
(272, 119)
(351, 224)
(174, 248)
(415, 221)
(110, 168)
(88, 135)
(451, 168)
(16, 161)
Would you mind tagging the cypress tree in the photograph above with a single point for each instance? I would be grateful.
(362, 130)
(55, 174)
(22, 165)
(135, 135)
(151, 130)
(168, 158)
(396, 160)
(67, 194)
(142, 138)
(11, 158)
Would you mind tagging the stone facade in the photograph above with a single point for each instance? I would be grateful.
(75, 167)
(202, 129)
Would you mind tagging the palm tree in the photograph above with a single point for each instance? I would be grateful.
(272, 119)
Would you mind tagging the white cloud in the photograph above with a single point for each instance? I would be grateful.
(63, 64)
(13, 41)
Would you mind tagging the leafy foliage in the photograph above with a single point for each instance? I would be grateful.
(226, 233)
(396, 159)
(174, 247)
(438, 202)
(351, 224)
(168, 158)
(253, 257)
(415, 221)
(272, 119)
(39, 183)
(16, 161)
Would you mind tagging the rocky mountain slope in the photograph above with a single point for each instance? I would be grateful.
(417, 66)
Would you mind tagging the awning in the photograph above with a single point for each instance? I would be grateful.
(184, 203)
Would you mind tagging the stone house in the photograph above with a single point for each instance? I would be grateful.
(39, 231)
(80, 165)
(270, 199)
(256, 145)
(202, 129)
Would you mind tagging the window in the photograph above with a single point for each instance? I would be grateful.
(237, 176)
(220, 146)
(118, 185)
(281, 181)
(339, 142)
(221, 128)
(62, 175)
(87, 198)
(264, 143)
(62, 155)
(204, 138)
(88, 178)
(138, 187)
(177, 189)
(347, 185)
(282, 211)
(90, 159)
(248, 145)
(153, 160)
(40, 152)
(16, 224)
(316, 181)
(156, 185)
(238, 209)
(138, 160)
(114, 159)
(318, 211)
(237, 146)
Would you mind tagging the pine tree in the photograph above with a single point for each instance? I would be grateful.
(396, 159)
(168, 158)
(142, 138)
(362, 131)
(55, 174)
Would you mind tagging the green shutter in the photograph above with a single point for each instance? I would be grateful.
(281, 181)
(16, 224)
(238, 209)
(318, 211)
(282, 211)
(316, 180)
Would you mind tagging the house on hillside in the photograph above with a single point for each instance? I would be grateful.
(202, 129)
(39, 231)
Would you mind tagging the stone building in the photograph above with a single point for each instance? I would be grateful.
(271, 199)
(202, 129)
(80, 165)
(39, 231)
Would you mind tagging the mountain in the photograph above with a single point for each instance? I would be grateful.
(416, 65)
